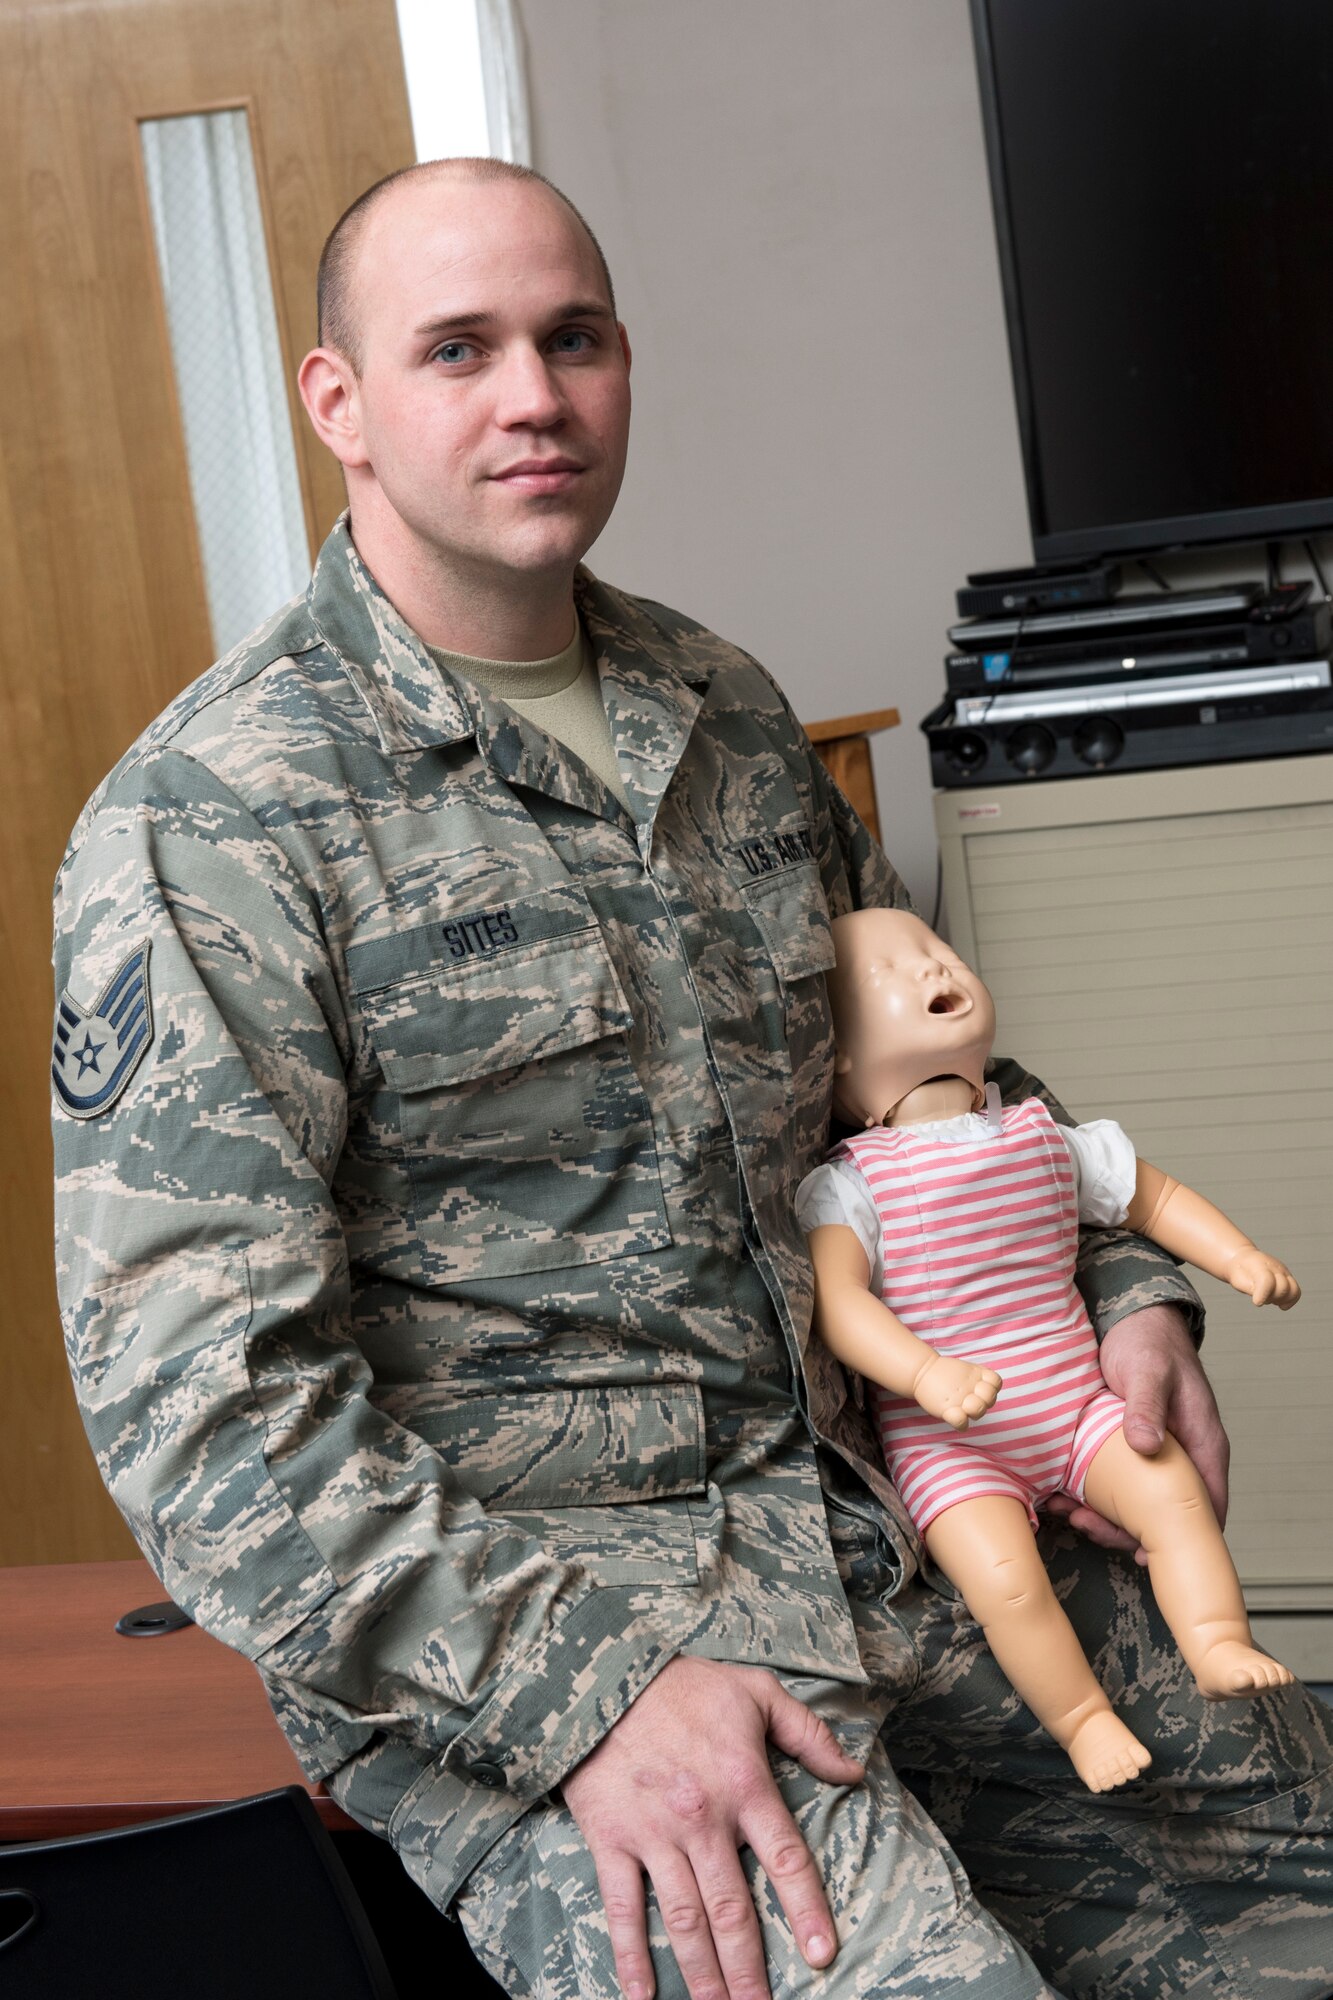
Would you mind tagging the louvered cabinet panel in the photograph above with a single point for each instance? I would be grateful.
(1160, 949)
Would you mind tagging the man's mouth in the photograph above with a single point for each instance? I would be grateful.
(540, 475)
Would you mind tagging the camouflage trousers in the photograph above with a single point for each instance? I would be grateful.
(972, 1855)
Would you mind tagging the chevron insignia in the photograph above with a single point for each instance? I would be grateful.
(97, 1049)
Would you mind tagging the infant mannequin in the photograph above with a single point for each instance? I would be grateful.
(983, 1364)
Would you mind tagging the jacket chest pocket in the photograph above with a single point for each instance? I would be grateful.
(525, 1131)
(791, 916)
(788, 909)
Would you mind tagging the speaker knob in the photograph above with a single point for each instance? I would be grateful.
(1030, 749)
(1099, 741)
(967, 752)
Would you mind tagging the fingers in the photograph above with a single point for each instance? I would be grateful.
(786, 1860)
(1198, 1426)
(1277, 1287)
(1264, 1286)
(620, 1880)
(1147, 1399)
(1092, 1524)
(800, 1732)
(1266, 1279)
(710, 1921)
(673, 1790)
(975, 1402)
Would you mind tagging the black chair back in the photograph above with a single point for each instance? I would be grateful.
(243, 1902)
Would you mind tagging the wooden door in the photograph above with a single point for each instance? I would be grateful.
(104, 616)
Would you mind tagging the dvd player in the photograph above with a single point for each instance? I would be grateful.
(1123, 614)
(1305, 635)
(1297, 635)
(1114, 697)
(1189, 727)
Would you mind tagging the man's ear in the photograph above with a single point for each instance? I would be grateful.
(332, 397)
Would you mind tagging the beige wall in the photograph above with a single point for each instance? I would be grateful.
(794, 202)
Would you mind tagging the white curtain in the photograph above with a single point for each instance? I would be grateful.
(229, 369)
(466, 78)
(504, 78)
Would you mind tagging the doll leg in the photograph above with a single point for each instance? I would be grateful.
(986, 1547)
(1164, 1502)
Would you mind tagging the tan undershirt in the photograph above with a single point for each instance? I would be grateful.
(562, 696)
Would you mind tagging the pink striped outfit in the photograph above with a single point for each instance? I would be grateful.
(979, 1243)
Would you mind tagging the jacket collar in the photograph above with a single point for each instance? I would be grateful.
(652, 682)
(412, 704)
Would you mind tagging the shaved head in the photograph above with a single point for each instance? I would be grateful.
(473, 381)
(339, 316)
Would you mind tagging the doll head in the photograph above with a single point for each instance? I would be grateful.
(906, 1010)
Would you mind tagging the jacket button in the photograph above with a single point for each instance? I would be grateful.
(489, 1775)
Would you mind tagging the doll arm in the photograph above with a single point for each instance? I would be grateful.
(868, 1336)
(1187, 1225)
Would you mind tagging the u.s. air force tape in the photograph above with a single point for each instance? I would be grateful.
(97, 1049)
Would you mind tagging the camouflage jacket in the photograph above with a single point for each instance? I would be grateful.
(426, 1134)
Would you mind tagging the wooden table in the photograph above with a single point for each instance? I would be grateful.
(97, 1730)
(843, 746)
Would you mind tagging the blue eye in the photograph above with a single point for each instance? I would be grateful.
(563, 341)
(453, 351)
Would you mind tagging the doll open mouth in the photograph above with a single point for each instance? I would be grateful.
(947, 1003)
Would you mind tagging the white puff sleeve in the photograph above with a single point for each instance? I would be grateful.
(1105, 1168)
(837, 1192)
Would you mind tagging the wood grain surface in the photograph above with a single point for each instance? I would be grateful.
(98, 1730)
(104, 617)
(843, 747)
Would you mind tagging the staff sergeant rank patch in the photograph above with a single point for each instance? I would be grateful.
(98, 1049)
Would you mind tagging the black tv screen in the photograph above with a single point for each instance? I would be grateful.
(1162, 173)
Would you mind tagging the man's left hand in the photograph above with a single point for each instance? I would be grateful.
(1150, 1360)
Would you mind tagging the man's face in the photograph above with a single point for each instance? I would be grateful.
(493, 403)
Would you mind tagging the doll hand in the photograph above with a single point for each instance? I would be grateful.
(957, 1391)
(1268, 1282)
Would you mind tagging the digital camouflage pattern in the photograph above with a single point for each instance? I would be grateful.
(432, 1286)
(1211, 1877)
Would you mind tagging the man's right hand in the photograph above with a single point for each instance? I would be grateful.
(679, 1784)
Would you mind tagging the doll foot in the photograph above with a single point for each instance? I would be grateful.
(1106, 1754)
(1230, 1669)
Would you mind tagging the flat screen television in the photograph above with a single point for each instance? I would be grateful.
(1162, 176)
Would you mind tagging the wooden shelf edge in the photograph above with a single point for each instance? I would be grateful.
(63, 1822)
(868, 724)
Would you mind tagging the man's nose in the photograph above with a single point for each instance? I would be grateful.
(529, 392)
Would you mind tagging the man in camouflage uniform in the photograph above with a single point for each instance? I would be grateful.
(428, 1113)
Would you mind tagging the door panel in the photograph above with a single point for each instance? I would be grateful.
(105, 617)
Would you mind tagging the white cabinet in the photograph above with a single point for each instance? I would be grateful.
(1160, 949)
